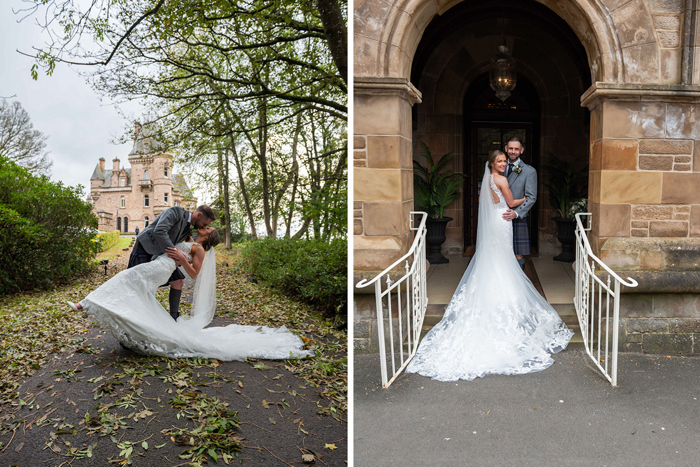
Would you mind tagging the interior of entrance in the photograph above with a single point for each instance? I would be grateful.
(460, 114)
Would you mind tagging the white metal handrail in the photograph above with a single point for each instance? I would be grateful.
(586, 300)
(412, 284)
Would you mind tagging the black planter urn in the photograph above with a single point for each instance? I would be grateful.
(435, 237)
(567, 229)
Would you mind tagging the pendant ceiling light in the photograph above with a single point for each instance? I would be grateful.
(502, 75)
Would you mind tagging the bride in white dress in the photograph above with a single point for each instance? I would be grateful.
(126, 305)
(496, 322)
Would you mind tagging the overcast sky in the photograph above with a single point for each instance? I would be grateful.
(63, 106)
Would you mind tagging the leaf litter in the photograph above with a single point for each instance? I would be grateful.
(65, 382)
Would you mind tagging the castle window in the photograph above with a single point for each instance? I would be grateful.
(145, 222)
(165, 198)
(122, 202)
(145, 201)
(122, 182)
(166, 171)
(145, 147)
(175, 203)
(145, 175)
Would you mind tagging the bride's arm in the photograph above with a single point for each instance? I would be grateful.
(502, 183)
(192, 269)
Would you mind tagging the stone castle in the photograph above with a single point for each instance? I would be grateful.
(128, 198)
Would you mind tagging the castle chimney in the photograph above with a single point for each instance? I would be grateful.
(102, 164)
(115, 166)
(137, 130)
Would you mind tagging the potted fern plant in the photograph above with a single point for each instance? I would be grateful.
(568, 186)
(435, 187)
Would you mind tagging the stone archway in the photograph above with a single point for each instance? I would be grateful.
(644, 156)
(386, 37)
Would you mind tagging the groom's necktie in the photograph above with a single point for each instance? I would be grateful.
(510, 169)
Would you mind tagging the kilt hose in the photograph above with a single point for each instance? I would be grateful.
(521, 237)
(139, 256)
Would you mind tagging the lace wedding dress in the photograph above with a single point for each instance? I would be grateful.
(496, 322)
(127, 306)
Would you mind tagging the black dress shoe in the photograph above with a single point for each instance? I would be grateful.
(175, 315)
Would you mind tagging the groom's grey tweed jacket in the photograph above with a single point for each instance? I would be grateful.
(170, 227)
(524, 184)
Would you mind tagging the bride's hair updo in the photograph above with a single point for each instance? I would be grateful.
(212, 240)
(493, 155)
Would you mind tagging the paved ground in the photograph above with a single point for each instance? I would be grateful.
(565, 415)
(276, 409)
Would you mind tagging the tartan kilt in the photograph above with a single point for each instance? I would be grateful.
(521, 237)
(139, 256)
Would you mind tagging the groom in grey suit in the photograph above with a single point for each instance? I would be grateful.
(170, 227)
(522, 180)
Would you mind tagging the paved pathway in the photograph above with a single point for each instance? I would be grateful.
(565, 415)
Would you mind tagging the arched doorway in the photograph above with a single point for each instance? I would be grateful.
(119, 224)
(126, 224)
(460, 113)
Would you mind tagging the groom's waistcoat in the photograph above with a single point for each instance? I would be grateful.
(170, 227)
(524, 184)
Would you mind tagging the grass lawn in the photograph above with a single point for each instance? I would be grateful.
(111, 253)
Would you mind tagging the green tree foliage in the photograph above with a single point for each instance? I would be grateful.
(46, 230)
(253, 90)
(314, 271)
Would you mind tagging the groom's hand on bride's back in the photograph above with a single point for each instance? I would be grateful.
(509, 215)
(175, 254)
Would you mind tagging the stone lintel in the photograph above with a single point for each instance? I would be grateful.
(387, 86)
(637, 92)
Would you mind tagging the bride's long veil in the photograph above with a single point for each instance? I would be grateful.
(487, 246)
(204, 295)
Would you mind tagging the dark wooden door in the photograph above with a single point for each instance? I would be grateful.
(483, 138)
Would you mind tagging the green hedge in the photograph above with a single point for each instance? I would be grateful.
(46, 230)
(107, 240)
(313, 271)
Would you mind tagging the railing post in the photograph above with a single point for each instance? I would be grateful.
(380, 330)
(616, 331)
